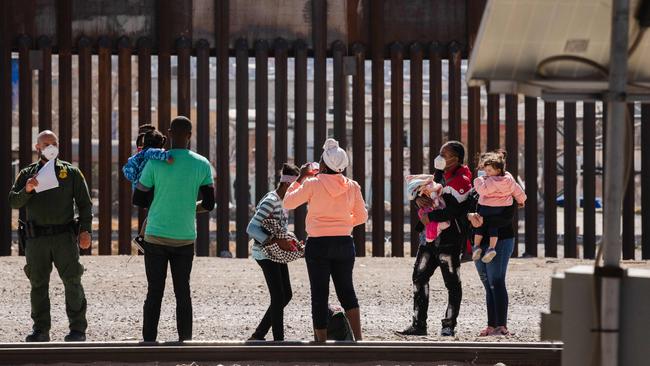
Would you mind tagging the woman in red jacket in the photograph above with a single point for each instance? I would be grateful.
(445, 252)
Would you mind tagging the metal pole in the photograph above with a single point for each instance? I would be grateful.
(614, 185)
(614, 182)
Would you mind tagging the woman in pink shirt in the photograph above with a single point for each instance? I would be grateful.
(335, 206)
(496, 188)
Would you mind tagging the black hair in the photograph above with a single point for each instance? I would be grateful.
(146, 128)
(324, 169)
(142, 130)
(457, 148)
(153, 139)
(290, 169)
(287, 169)
(181, 124)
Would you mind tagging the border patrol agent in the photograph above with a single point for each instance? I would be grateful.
(50, 235)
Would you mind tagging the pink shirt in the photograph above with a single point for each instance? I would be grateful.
(334, 204)
(498, 191)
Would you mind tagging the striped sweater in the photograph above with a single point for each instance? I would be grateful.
(269, 206)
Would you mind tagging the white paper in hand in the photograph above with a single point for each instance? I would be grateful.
(46, 177)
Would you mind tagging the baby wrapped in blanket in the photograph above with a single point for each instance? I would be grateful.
(424, 185)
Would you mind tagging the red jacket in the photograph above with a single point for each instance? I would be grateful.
(459, 182)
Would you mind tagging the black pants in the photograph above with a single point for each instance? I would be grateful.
(330, 256)
(429, 258)
(489, 211)
(277, 280)
(180, 260)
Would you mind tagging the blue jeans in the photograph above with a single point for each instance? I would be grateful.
(330, 256)
(493, 277)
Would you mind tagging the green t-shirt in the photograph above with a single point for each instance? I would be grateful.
(176, 186)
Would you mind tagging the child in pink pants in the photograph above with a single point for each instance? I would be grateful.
(424, 185)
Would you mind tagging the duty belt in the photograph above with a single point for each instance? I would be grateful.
(33, 231)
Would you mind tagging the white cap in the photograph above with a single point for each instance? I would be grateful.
(334, 157)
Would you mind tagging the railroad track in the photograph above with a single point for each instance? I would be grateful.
(378, 353)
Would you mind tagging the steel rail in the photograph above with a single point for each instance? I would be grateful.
(477, 353)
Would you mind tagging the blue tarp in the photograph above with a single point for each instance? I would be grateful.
(560, 202)
(14, 83)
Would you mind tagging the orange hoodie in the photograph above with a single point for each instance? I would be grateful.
(334, 204)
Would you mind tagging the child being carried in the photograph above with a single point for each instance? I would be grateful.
(150, 144)
(496, 188)
(152, 148)
(424, 185)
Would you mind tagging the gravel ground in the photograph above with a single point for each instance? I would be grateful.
(230, 296)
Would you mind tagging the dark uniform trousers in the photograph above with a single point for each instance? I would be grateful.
(62, 251)
(55, 207)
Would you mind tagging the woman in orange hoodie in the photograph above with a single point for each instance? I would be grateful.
(335, 206)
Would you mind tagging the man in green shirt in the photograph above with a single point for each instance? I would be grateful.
(51, 235)
(170, 192)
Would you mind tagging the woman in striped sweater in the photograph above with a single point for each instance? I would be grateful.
(276, 274)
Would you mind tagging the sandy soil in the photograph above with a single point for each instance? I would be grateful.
(230, 296)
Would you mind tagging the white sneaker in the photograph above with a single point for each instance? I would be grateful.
(489, 255)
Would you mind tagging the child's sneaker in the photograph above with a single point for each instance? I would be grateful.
(489, 255)
(138, 241)
(476, 252)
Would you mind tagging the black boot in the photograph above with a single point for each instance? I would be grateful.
(38, 336)
(256, 337)
(75, 336)
(413, 331)
(447, 331)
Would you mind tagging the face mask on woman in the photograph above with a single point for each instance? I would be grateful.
(440, 163)
(50, 152)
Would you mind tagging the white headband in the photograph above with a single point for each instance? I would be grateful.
(288, 178)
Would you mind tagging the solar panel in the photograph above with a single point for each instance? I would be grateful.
(517, 36)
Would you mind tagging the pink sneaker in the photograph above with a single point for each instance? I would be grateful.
(486, 332)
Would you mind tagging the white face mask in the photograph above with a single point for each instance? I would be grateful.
(481, 173)
(439, 163)
(50, 152)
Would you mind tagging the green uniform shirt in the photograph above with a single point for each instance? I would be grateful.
(172, 214)
(54, 206)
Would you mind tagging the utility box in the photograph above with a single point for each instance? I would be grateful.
(574, 321)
